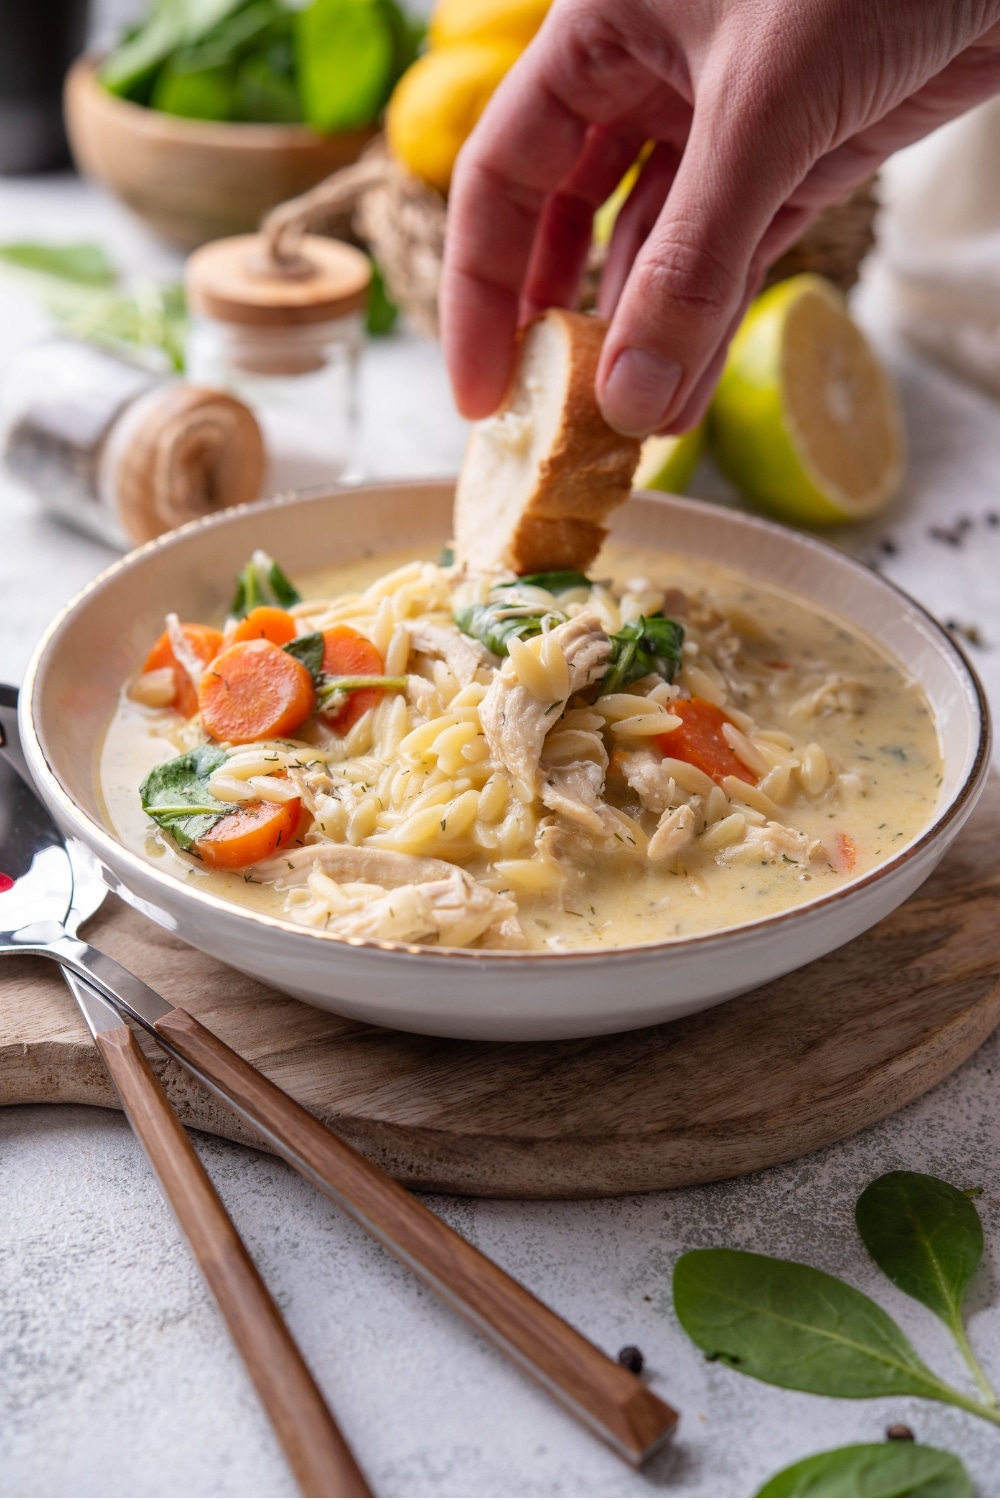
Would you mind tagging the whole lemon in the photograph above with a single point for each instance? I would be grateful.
(455, 21)
(438, 101)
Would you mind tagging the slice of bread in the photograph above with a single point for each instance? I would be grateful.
(542, 474)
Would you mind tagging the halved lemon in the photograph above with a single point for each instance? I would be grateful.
(667, 463)
(805, 420)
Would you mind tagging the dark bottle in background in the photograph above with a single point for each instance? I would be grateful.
(38, 41)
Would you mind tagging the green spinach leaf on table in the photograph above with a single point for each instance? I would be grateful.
(793, 1326)
(176, 796)
(84, 263)
(927, 1237)
(148, 325)
(381, 316)
(873, 1469)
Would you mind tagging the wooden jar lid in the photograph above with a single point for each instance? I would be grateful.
(232, 280)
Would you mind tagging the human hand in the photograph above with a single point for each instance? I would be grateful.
(762, 111)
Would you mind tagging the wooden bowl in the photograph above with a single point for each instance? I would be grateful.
(194, 180)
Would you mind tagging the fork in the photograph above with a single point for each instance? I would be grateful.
(316, 1451)
(604, 1395)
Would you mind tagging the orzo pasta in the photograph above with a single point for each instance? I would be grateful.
(418, 754)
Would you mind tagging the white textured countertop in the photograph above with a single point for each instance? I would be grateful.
(116, 1375)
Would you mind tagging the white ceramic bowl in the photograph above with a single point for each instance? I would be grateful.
(76, 674)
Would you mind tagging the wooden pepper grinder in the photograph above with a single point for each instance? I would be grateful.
(119, 453)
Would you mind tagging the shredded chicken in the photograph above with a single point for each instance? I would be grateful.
(773, 841)
(455, 911)
(383, 867)
(573, 792)
(463, 656)
(675, 832)
(649, 779)
(184, 652)
(506, 934)
(515, 722)
(423, 696)
(838, 694)
(361, 892)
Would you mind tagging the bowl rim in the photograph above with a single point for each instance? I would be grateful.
(101, 837)
(220, 134)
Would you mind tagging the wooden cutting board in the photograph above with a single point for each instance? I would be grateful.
(765, 1078)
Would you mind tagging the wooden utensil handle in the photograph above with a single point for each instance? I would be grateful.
(609, 1398)
(319, 1457)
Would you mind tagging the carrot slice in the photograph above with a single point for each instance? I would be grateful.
(255, 691)
(348, 653)
(265, 623)
(844, 854)
(206, 642)
(245, 837)
(699, 740)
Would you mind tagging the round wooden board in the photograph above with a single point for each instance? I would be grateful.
(765, 1078)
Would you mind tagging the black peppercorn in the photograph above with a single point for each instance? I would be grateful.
(631, 1358)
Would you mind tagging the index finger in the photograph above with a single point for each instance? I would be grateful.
(525, 145)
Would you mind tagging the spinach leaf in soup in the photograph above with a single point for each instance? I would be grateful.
(650, 644)
(308, 649)
(262, 582)
(559, 582)
(873, 1469)
(494, 625)
(176, 796)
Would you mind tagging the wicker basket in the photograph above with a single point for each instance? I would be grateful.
(403, 223)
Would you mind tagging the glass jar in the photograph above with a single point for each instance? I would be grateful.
(286, 341)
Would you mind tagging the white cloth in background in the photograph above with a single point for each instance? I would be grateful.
(942, 238)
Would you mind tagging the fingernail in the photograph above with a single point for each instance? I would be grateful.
(638, 392)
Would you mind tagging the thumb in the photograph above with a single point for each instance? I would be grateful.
(682, 297)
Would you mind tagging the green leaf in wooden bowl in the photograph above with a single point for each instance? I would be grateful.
(345, 51)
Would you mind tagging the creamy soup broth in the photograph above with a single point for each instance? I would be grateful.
(851, 774)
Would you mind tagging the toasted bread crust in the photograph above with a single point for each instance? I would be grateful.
(586, 473)
(541, 544)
